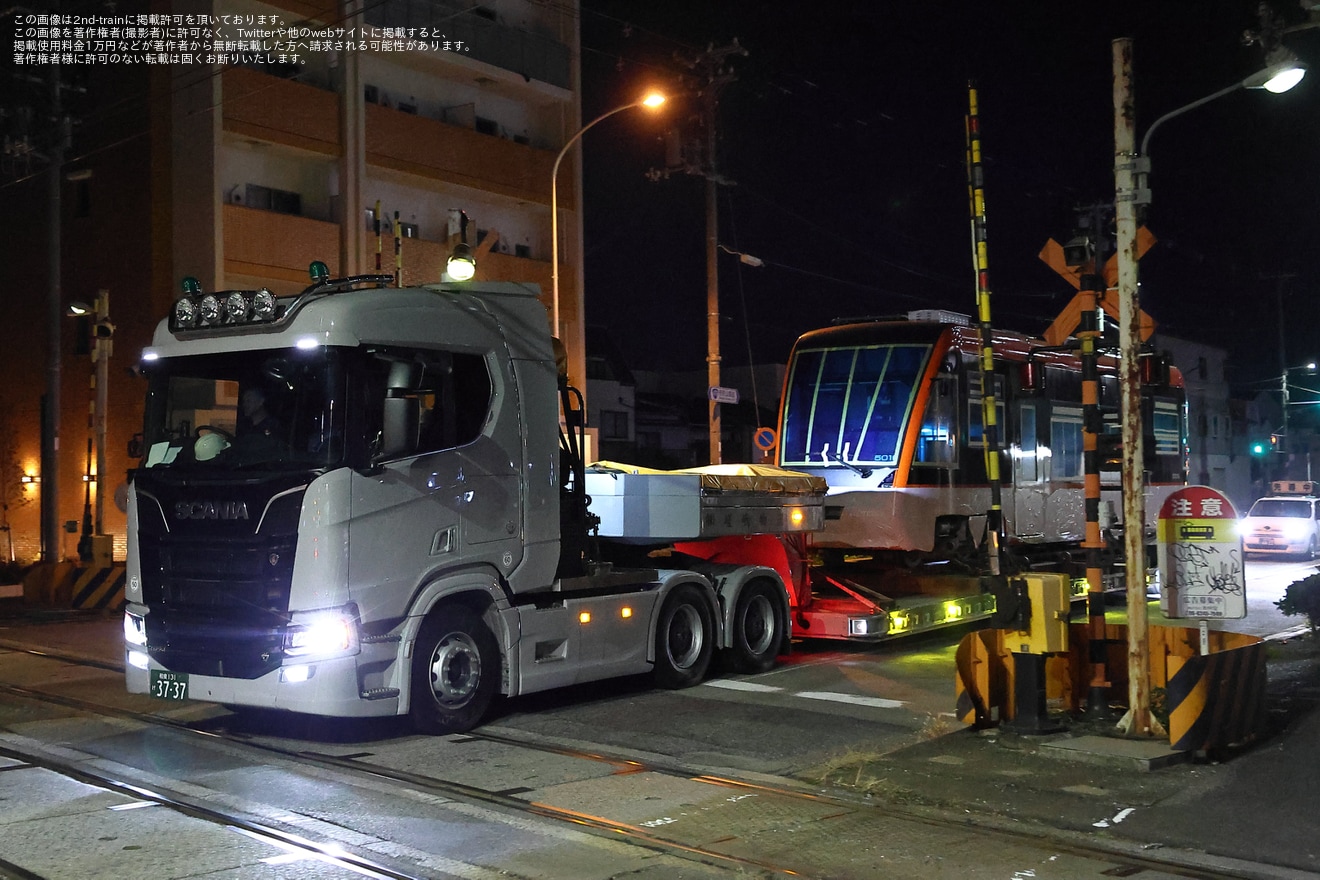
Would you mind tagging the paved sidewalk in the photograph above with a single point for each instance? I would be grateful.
(1259, 803)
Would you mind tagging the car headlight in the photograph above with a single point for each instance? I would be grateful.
(1297, 531)
(323, 633)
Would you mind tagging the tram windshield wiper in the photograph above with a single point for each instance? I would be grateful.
(862, 472)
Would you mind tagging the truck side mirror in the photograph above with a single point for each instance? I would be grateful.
(402, 417)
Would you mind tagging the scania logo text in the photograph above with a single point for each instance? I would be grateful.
(210, 510)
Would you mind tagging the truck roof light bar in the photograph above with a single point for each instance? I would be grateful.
(228, 308)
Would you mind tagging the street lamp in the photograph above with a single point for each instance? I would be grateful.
(652, 99)
(1131, 167)
(1286, 443)
(1283, 70)
(102, 333)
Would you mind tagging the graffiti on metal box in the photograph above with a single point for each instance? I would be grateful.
(1211, 567)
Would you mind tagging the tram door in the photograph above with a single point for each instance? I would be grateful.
(1028, 502)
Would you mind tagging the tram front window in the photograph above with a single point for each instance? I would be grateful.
(850, 405)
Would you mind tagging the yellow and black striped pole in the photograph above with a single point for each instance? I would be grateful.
(989, 402)
(398, 252)
(1092, 288)
(377, 218)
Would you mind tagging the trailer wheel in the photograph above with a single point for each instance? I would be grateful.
(684, 639)
(455, 672)
(757, 629)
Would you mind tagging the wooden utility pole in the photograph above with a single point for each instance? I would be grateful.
(710, 75)
(1138, 720)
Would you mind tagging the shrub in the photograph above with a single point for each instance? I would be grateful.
(1302, 597)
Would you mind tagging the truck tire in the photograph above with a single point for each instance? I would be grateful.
(455, 672)
(684, 639)
(757, 628)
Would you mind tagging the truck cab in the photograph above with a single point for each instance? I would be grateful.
(359, 501)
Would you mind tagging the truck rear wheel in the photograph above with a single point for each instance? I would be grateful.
(455, 673)
(684, 639)
(757, 629)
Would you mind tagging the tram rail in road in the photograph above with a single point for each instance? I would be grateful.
(637, 803)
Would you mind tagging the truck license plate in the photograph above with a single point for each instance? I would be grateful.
(167, 685)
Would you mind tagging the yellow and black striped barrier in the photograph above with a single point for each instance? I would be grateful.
(1212, 701)
(98, 588)
(69, 585)
(1216, 700)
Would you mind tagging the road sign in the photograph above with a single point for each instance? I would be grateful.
(765, 439)
(1201, 557)
(723, 395)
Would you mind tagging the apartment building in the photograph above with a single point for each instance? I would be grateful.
(241, 175)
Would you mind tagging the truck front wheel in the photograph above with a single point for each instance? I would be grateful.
(455, 672)
(757, 629)
(684, 639)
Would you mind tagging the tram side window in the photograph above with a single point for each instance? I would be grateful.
(937, 443)
(1167, 428)
(1027, 458)
(1065, 443)
(429, 400)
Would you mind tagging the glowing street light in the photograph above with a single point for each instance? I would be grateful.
(652, 100)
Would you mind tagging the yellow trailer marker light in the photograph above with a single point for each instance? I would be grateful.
(584, 617)
(796, 516)
(625, 612)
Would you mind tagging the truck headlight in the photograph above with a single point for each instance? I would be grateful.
(322, 633)
(135, 629)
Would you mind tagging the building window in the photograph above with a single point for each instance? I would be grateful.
(266, 198)
(613, 425)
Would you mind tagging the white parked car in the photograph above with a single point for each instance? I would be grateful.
(1283, 523)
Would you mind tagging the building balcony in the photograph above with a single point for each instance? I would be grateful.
(439, 151)
(282, 111)
(531, 55)
(277, 247)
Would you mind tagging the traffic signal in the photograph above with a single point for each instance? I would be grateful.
(1109, 449)
(1265, 447)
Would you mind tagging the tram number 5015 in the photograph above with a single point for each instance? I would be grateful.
(167, 685)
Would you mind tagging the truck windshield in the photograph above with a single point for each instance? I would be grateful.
(270, 409)
(850, 404)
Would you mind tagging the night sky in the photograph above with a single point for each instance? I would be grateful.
(844, 137)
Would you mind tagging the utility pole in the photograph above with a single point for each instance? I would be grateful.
(50, 427)
(710, 74)
(1138, 721)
